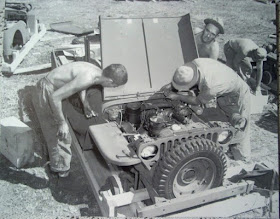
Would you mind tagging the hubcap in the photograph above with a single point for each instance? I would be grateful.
(194, 176)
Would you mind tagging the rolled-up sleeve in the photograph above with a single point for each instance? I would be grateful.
(204, 97)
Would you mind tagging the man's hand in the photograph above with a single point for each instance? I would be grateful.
(166, 87)
(89, 112)
(63, 130)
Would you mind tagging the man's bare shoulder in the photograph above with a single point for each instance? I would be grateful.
(86, 69)
(65, 73)
(197, 30)
(215, 45)
(85, 66)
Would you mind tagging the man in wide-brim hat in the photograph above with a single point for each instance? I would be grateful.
(206, 43)
(214, 79)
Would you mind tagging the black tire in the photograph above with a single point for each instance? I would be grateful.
(267, 78)
(189, 167)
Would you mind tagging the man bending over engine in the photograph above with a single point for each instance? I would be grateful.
(214, 79)
(60, 84)
(238, 53)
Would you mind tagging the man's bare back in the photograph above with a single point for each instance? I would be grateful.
(66, 73)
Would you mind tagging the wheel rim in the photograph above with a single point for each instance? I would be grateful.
(194, 176)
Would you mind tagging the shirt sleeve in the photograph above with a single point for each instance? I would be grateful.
(205, 97)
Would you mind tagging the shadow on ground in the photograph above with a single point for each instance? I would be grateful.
(72, 190)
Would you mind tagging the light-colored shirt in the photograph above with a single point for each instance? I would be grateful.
(217, 79)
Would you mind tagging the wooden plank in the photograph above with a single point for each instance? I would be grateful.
(9, 68)
(189, 201)
(226, 208)
(63, 60)
(111, 203)
(91, 167)
(34, 69)
(128, 197)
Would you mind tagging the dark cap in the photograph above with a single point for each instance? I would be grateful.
(218, 22)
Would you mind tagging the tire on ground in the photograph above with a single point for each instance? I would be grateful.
(189, 167)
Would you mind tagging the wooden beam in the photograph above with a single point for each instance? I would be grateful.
(128, 197)
(189, 201)
(88, 164)
(34, 69)
(63, 60)
(10, 68)
(226, 208)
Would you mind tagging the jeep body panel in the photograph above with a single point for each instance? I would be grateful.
(150, 48)
(113, 144)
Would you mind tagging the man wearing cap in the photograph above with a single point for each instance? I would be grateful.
(216, 80)
(239, 53)
(205, 39)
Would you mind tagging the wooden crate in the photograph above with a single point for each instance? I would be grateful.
(16, 141)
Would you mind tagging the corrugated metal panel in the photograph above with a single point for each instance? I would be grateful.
(122, 41)
(150, 48)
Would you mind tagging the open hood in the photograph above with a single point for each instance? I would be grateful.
(150, 49)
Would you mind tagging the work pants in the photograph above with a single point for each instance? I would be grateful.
(236, 105)
(59, 150)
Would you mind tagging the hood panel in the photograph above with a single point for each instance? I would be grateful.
(150, 48)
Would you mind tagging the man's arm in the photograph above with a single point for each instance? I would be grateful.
(259, 74)
(193, 100)
(236, 65)
(80, 82)
(241, 74)
(236, 61)
(214, 54)
(87, 109)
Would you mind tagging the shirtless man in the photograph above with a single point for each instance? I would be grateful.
(61, 83)
(205, 39)
(238, 53)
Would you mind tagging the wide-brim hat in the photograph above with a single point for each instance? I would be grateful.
(218, 22)
(184, 78)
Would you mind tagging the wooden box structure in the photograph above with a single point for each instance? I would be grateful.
(16, 141)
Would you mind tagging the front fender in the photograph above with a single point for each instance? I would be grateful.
(16, 32)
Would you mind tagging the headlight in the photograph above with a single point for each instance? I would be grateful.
(224, 137)
(149, 152)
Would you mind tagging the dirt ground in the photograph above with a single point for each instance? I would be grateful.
(32, 192)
